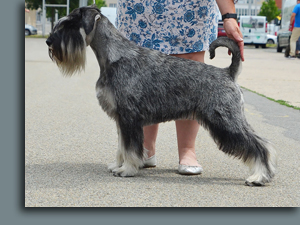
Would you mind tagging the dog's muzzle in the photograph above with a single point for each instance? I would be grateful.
(49, 42)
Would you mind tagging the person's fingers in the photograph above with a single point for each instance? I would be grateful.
(241, 46)
(233, 32)
(238, 38)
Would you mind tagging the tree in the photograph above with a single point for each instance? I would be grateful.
(270, 10)
(62, 11)
(99, 3)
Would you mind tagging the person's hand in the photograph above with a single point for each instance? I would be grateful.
(233, 31)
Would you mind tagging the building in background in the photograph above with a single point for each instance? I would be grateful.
(111, 3)
(30, 17)
(279, 3)
(248, 7)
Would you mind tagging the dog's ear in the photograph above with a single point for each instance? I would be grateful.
(94, 6)
(89, 17)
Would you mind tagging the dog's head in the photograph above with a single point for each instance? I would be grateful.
(69, 38)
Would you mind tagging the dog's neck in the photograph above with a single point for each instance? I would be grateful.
(109, 45)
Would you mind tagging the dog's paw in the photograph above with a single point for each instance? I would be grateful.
(254, 183)
(113, 166)
(125, 171)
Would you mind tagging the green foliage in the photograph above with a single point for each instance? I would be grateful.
(269, 10)
(281, 102)
(99, 3)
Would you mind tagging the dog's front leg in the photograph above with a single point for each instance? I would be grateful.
(120, 157)
(130, 152)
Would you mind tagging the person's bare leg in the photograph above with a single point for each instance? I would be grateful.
(196, 56)
(186, 136)
(187, 130)
(150, 134)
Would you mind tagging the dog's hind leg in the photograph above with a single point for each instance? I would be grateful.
(131, 152)
(253, 150)
(262, 168)
(234, 136)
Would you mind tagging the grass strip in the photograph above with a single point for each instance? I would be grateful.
(281, 102)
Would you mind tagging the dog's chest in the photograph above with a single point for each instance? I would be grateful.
(106, 100)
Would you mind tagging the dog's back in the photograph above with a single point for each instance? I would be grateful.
(236, 63)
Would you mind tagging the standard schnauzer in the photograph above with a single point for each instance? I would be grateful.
(140, 86)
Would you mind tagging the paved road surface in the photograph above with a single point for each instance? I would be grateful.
(70, 141)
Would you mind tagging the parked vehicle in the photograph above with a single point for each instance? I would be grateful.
(221, 30)
(271, 39)
(284, 35)
(30, 30)
(273, 29)
(254, 30)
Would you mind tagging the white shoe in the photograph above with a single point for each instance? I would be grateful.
(150, 162)
(189, 170)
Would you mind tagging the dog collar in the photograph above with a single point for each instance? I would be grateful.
(229, 15)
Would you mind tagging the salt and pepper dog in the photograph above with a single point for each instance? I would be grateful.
(140, 86)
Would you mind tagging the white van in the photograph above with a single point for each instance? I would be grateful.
(254, 30)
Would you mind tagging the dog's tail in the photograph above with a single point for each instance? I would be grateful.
(236, 62)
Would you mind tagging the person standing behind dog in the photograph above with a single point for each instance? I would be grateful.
(184, 29)
(295, 18)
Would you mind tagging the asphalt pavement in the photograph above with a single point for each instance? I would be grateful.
(69, 141)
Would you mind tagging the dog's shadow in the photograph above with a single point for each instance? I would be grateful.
(164, 175)
(74, 175)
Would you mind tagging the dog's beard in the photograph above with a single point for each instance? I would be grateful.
(69, 58)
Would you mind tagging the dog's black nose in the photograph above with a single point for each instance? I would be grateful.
(48, 42)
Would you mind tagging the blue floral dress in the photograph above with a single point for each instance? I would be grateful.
(171, 26)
